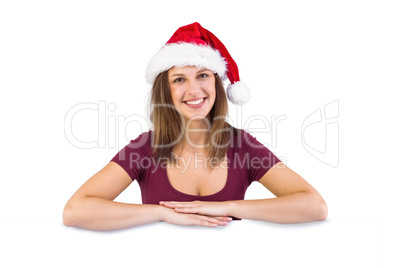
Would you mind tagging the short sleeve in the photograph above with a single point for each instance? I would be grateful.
(259, 158)
(132, 156)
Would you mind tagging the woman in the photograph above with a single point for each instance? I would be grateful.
(194, 167)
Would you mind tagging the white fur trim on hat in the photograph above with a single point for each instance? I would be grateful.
(185, 54)
(238, 93)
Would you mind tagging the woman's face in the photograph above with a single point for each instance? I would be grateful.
(193, 91)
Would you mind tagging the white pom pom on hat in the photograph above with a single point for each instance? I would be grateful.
(238, 93)
(192, 45)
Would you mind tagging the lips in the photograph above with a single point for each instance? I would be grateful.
(195, 103)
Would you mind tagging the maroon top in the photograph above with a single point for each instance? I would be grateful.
(248, 160)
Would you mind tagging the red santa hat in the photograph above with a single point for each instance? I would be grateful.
(192, 45)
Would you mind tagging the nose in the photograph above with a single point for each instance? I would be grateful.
(193, 87)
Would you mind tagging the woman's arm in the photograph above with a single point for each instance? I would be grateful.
(296, 201)
(92, 206)
(293, 208)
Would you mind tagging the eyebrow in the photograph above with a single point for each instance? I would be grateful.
(177, 75)
(200, 71)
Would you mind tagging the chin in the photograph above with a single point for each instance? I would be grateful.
(197, 117)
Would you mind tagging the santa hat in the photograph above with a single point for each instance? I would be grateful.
(192, 45)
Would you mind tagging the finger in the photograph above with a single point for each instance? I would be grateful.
(213, 220)
(167, 204)
(206, 223)
(178, 203)
(227, 219)
(222, 220)
(170, 204)
(186, 210)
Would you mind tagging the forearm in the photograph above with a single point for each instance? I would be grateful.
(99, 214)
(293, 208)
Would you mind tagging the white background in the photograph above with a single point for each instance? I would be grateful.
(297, 56)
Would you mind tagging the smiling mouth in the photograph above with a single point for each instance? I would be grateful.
(195, 102)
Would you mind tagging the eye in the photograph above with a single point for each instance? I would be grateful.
(203, 75)
(178, 80)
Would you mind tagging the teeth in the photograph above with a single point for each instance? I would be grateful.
(195, 102)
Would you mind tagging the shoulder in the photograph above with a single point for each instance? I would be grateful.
(142, 144)
(143, 140)
(243, 139)
(131, 155)
(246, 143)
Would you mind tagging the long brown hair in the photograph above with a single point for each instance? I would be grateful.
(169, 124)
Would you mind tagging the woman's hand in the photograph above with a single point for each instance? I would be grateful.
(171, 216)
(215, 209)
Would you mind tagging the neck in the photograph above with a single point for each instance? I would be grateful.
(195, 137)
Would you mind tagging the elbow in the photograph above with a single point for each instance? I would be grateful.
(318, 207)
(322, 210)
(68, 215)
